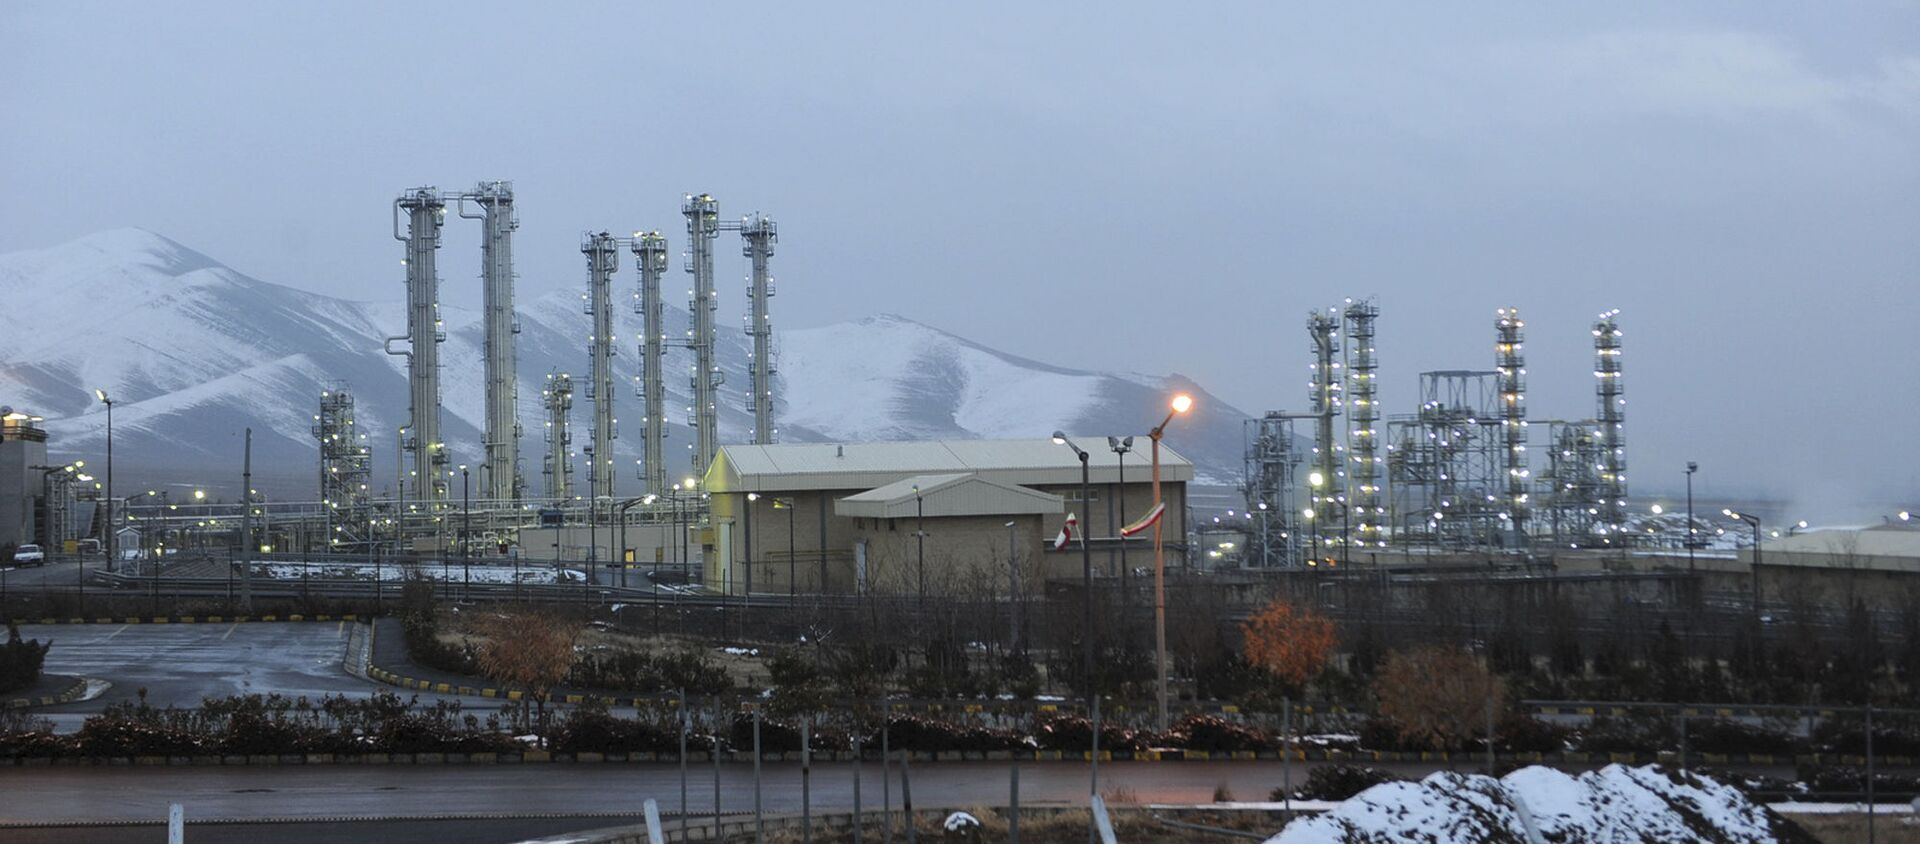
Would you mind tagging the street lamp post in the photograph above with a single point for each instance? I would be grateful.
(1086, 568)
(920, 537)
(748, 593)
(1754, 522)
(466, 536)
(793, 553)
(1692, 467)
(1120, 446)
(1180, 404)
(112, 540)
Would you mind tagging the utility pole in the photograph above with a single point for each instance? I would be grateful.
(246, 525)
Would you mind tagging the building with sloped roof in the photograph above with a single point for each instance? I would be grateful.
(931, 517)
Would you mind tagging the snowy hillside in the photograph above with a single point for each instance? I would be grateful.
(1538, 804)
(194, 352)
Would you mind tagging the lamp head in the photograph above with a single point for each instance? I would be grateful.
(101, 395)
(1692, 467)
(1059, 438)
(1182, 403)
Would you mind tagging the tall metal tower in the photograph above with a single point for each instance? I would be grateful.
(1363, 434)
(757, 235)
(1323, 393)
(500, 477)
(1510, 364)
(345, 469)
(558, 466)
(603, 257)
(1271, 460)
(1611, 416)
(650, 254)
(426, 212)
(703, 225)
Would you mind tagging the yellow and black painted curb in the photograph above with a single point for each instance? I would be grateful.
(68, 695)
(187, 619)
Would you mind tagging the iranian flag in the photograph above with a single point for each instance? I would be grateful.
(1149, 520)
(1066, 532)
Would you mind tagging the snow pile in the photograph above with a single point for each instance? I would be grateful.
(1537, 805)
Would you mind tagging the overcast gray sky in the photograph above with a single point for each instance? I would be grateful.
(1120, 186)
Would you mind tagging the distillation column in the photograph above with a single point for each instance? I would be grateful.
(426, 212)
(1511, 380)
(703, 225)
(650, 254)
(345, 469)
(757, 236)
(603, 257)
(500, 478)
(1609, 393)
(1363, 450)
(558, 468)
(1323, 393)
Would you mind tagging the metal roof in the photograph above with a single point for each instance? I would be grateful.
(946, 495)
(837, 466)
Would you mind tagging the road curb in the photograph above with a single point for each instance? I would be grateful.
(68, 695)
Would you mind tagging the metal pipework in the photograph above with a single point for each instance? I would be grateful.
(758, 235)
(650, 255)
(703, 225)
(1323, 393)
(558, 468)
(1610, 396)
(603, 258)
(426, 213)
(1510, 364)
(1363, 435)
(500, 477)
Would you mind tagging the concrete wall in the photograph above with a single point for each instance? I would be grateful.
(21, 485)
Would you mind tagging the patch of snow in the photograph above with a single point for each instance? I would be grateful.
(959, 821)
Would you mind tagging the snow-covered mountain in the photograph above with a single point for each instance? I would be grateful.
(194, 352)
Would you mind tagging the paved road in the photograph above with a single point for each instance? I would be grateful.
(180, 664)
(465, 831)
(57, 795)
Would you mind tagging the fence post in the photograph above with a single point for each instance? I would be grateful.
(1013, 806)
(1490, 770)
(683, 762)
(654, 833)
(1870, 830)
(176, 824)
(856, 782)
(806, 781)
(1682, 710)
(1102, 825)
(759, 819)
(716, 767)
(906, 792)
(1286, 755)
(886, 782)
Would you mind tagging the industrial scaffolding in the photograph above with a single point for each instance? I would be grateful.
(1367, 513)
(500, 477)
(1611, 399)
(346, 468)
(603, 258)
(1326, 480)
(758, 235)
(557, 467)
(703, 226)
(1569, 485)
(1272, 463)
(1446, 465)
(426, 213)
(650, 257)
(1510, 364)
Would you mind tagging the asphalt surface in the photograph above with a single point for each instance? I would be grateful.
(337, 793)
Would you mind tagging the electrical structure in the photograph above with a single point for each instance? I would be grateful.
(500, 478)
(1272, 461)
(1445, 463)
(1611, 501)
(758, 235)
(426, 213)
(603, 258)
(1363, 419)
(557, 468)
(345, 471)
(650, 256)
(1510, 363)
(1325, 480)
